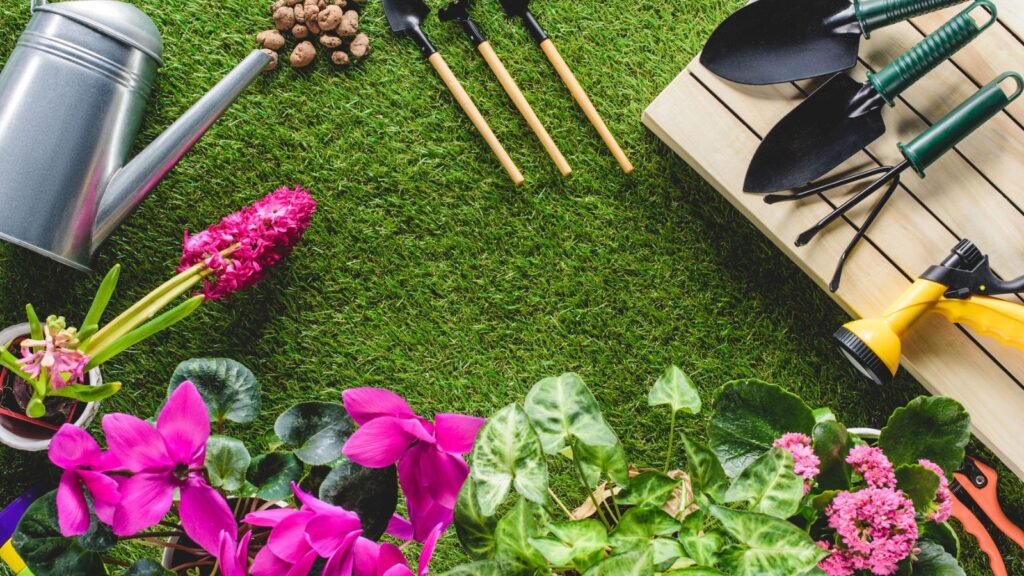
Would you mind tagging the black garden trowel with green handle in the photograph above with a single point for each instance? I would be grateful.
(844, 115)
(773, 41)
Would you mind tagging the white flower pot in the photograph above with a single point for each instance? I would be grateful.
(10, 433)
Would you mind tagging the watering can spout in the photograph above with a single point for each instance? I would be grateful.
(134, 181)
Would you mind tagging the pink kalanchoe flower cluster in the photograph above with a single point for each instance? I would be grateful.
(57, 352)
(873, 465)
(431, 468)
(877, 529)
(298, 537)
(153, 463)
(265, 233)
(805, 462)
(944, 497)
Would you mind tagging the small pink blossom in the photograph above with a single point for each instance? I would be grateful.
(877, 529)
(57, 352)
(84, 464)
(943, 498)
(431, 468)
(873, 465)
(805, 461)
(265, 233)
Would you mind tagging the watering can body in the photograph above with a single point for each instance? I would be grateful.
(73, 95)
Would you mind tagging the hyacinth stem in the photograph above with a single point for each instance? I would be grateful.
(150, 304)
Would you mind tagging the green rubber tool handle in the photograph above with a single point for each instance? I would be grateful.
(875, 14)
(915, 63)
(924, 150)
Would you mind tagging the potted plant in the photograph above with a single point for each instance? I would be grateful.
(47, 386)
(303, 507)
(781, 489)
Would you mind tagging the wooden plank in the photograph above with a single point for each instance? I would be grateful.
(713, 140)
(988, 55)
(1011, 14)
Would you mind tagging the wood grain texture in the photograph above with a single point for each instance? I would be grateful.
(569, 79)
(523, 105)
(975, 191)
(462, 97)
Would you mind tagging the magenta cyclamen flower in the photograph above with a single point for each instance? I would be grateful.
(431, 468)
(944, 497)
(873, 465)
(805, 461)
(84, 464)
(57, 352)
(164, 459)
(876, 528)
(233, 559)
(385, 559)
(265, 233)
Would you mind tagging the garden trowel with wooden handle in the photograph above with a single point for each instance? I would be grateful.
(521, 9)
(405, 18)
(773, 41)
(459, 12)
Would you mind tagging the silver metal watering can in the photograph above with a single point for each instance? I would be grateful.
(72, 98)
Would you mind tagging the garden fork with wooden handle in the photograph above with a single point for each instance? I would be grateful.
(520, 8)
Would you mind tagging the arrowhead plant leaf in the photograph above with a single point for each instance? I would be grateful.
(514, 532)
(768, 546)
(769, 485)
(649, 488)
(474, 528)
(676, 390)
(706, 471)
(638, 563)
(562, 410)
(570, 543)
(508, 454)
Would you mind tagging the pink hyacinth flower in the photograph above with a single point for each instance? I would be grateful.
(805, 461)
(164, 459)
(944, 497)
(233, 559)
(84, 464)
(299, 537)
(431, 468)
(57, 353)
(873, 465)
(265, 233)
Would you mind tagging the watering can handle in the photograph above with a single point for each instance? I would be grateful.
(33, 4)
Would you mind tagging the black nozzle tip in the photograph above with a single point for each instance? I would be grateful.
(862, 357)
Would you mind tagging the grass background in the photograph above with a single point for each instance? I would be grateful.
(428, 273)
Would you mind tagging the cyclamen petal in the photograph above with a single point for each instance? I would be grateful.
(145, 500)
(423, 567)
(379, 443)
(268, 518)
(72, 509)
(456, 433)
(72, 447)
(184, 423)
(267, 563)
(365, 404)
(327, 532)
(399, 527)
(105, 492)
(288, 539)
(136, 443)
(205, 514)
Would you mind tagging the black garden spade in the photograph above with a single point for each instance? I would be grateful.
(405, 18)
(844, 115)
(772, 41)
(918, 154)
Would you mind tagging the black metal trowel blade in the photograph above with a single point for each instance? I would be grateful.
(825, 130)
(772, 41)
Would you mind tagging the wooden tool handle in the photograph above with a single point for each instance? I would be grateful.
(462, 97)
(584, 101)
(510, 86)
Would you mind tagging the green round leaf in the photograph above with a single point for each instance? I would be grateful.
(935, 561)
(769, 485)
(832, 444)
(47, 553)
(474, 528)
(229, 389)
(768, 546)
(675, 389)
(943, 535)
(318, 429)
(920, 485)
(227, 461)
(562, 410)
(372, 493)
(147, 567)
(273, 474)
(749, 415)
(933, 427)
(508, 453)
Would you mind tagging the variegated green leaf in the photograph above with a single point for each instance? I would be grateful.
(769, 485)
(767, 546)
(705, 547)
(639, 525)
(474, 528)
(675, 389)
(609, 461)
(514, 532)
(563, 410)
(571, 541)
(638, 563)
(653, 488)
(695, 571)
(706, 472)
(508, 454)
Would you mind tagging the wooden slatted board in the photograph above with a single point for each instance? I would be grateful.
(975, 192)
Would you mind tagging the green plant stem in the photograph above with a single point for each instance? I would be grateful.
(586, 489)
(159, 534)
(671, 437)
(561, 505)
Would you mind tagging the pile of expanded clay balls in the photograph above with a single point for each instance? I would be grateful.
(311, 22)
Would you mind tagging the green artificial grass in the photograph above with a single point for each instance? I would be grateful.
(426, 271)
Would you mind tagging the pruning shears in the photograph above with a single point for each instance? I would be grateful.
(976, 506)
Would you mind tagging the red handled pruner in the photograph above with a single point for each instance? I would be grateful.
(976, 506)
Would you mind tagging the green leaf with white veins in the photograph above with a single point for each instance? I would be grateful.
(652, 488)
(769, 485)
(607, 460)
(706, 472)
(675, 389)
(570, 541)
(508, 453)
(562, 410)
(514, 532)
(638, 525)
(474, 528)
(768, 546)
(639, 563)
